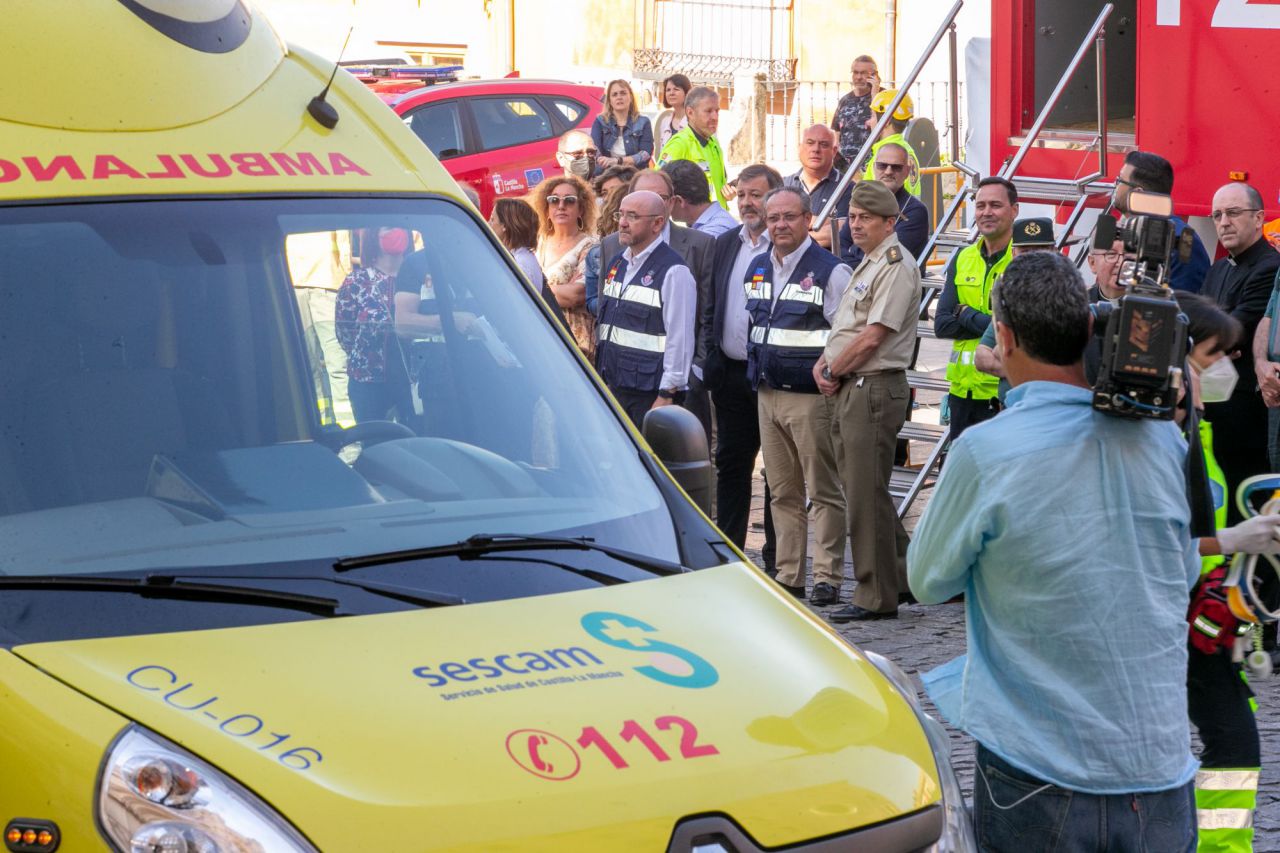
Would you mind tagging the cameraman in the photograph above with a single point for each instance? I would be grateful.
(1074, 682)
(1143, 170)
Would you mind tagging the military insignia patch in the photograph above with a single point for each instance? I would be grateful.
(860, 288)
(893, 255)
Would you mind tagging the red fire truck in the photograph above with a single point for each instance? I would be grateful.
(1191, 80)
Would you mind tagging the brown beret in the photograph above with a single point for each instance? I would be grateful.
(875, 198)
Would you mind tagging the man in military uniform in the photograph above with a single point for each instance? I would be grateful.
(864, 370)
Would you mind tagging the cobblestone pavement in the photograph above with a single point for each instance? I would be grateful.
(926, 636)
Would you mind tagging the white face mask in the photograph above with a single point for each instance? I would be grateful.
(1217, 381)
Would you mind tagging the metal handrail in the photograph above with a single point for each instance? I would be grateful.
(1089, 41)
(903, 88)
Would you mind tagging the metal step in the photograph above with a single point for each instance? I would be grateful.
(916, 431)
(927, 382)
(1057, 189)
(902, 479)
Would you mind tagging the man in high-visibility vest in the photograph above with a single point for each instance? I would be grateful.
(964, 306)
(893, 132)
(697, 142)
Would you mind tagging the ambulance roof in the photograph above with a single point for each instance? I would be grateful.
(143, 97)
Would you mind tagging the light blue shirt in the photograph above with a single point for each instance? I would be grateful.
(714, 221)
(1068, 532)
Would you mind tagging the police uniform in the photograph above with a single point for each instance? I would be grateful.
(791, 302)
(870, 408)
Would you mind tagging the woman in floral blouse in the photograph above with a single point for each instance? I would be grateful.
(377, 380)
(566, 210)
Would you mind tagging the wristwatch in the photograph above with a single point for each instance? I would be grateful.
(826, 374)
(667, 393)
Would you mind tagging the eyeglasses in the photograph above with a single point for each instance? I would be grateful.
(585, 152)
(1129, 184)
(789, 218)
(554, 200)
(1109, 257)
(631, 216)
(890, 167)
(1231, 213)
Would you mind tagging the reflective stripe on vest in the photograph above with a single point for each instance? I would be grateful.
(628, 338)
(1225, 802)
(643, 295)
(797, 338)
(786, 335)
(973, 288)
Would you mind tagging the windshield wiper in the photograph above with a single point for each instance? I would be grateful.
(484, 544)
(171, 586)
(421, 597)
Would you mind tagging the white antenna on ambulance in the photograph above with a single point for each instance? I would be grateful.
(320, 109)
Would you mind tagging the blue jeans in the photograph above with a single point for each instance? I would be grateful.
(1011, 814)
(1273, 437)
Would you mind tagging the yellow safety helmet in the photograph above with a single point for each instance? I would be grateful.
(881, 102)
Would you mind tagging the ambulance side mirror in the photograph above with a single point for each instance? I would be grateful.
(677, 438)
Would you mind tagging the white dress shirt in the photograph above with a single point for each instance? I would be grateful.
(714, 221)
(733, 338)
(679, 304)
(837, 282)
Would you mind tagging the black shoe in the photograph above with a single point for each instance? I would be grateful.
(854, 613)
(907, 598)
(824, 595)
(796, 591)
(773, 573)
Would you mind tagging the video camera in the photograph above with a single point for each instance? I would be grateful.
(1144, 335)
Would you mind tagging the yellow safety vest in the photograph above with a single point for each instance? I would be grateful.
(1218, 486)
(913, 163)
(973, 288)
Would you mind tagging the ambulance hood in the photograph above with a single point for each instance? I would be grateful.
(587, 720)
(127, 65)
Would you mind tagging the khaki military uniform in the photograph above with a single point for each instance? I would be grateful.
(868, 414)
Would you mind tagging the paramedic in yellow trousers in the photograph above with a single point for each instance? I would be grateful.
(864, 372)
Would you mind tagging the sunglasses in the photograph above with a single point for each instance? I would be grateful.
(890, 167)
(554, 200)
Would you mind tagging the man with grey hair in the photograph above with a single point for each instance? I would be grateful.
(1074, 685)
(697, 142)
(647, 304)
(819, 177)
(1241, 285)
(793, 291)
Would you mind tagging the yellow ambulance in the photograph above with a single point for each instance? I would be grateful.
(317, 533)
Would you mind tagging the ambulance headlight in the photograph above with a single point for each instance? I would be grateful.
(154, 796)
(957, 827)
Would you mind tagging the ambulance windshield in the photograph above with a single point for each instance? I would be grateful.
(244, 381)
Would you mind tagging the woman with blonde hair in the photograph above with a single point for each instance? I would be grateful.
(621, 135)
(566, 211)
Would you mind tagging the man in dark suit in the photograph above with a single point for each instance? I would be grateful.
(697, 250)
(725, 344)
